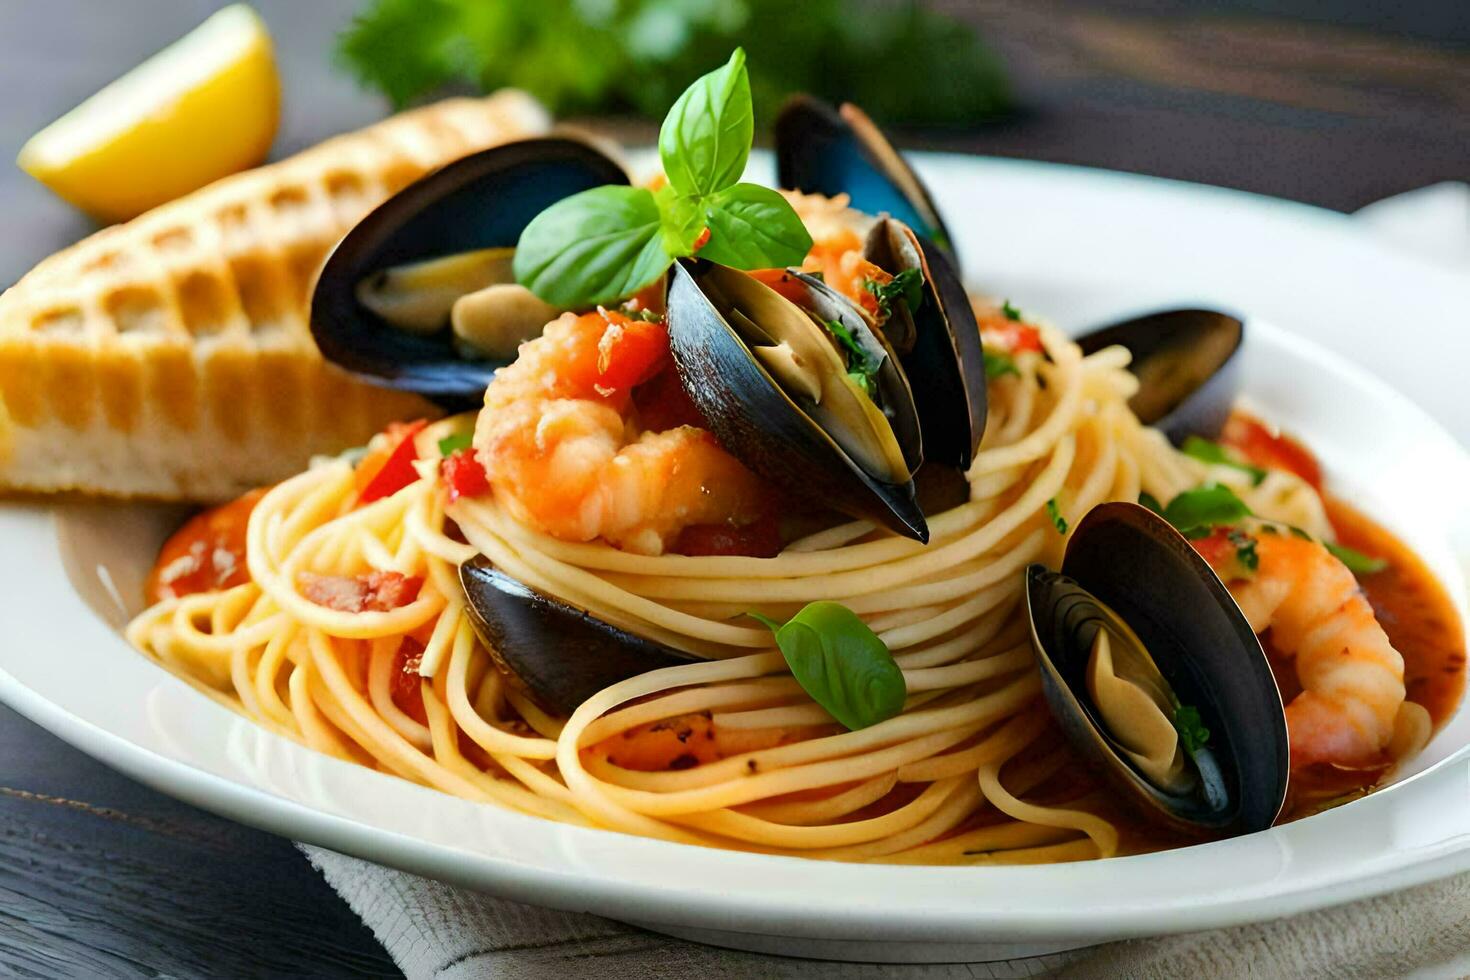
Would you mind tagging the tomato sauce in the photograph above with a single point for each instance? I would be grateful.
(206, 554)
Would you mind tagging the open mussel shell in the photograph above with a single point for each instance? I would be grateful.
(1186, 364)
(1124, 561)
(938, 344)
(805, 433)
(478, 204)
(822, 150)
(559, 654)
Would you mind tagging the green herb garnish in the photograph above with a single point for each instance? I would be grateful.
(1011, 313)
(608, 242)
(1357, 562)
(998, 364)
(841, 663)
(1213, 453)
(1195, 512)
(450, 445)
(586, 57)
(1148, 500)
(1055, 513)
(908, 286)
(862, 368)
(1245, 550)
(1192, 733)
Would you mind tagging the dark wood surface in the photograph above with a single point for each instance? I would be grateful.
(1338, 104)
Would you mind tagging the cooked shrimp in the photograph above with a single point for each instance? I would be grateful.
(560, 442)
(1352, 678)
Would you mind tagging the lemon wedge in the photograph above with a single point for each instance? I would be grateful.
(202, 108)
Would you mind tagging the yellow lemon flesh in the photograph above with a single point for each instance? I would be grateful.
(204, 107)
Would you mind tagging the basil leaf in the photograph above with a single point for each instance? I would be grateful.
(842, 664)
(450, 445)
(1195, 511)
(998, 364)
(1148, 500)
(594, 247)
(753, 227)
(1011, 313)
(705, 139)
(1212, 452)
(1357, 562)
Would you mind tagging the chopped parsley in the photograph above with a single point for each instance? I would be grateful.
(1055, 513)
(1215, 454)
(1245, 550)
(998, 364)
(1192, 732)
(908, 286)
(1011, 313)
(1357, 562)
(862, 367)
(450, 445)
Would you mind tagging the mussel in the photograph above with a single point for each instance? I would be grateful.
(382, 303)
(938, 343)
(558, 654)
(1186, 364)
(822, 150)
(1132, 637)
(788, 401)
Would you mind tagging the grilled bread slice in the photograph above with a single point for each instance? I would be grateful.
(171, 358)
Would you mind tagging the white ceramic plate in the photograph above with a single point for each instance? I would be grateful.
(1077, 245)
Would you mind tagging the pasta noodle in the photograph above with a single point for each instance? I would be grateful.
(971, 771)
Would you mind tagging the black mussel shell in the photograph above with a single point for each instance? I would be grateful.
(559, 654)
(480, 201)
(763, 427)
(822, 150)
(1186, 363)
(944, 359)
(1146, 572)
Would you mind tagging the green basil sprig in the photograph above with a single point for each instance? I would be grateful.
(1195, 512)
(841, 663)
(606, 243)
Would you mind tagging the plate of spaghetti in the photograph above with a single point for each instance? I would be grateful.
(760, 562)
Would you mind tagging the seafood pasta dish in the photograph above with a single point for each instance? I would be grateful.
(729, 516)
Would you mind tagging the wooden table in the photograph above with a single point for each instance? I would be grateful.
(101, 876)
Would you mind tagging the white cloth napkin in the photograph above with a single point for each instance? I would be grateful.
(435, 930)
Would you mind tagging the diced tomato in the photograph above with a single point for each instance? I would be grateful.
(1014, 336)
(206, 554)
(406, 691)
(759, 539)
(1216, 548)
(630, 352)
(463, 475)
(1264, 447)
(370, 592)
(782, 282)
(702, 240)
(663, 404)
(389, 470)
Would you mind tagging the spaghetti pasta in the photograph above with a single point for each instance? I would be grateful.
(971, 771)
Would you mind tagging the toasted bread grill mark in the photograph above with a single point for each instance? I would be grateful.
(172, 357)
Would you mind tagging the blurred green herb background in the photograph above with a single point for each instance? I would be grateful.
(901, 62)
